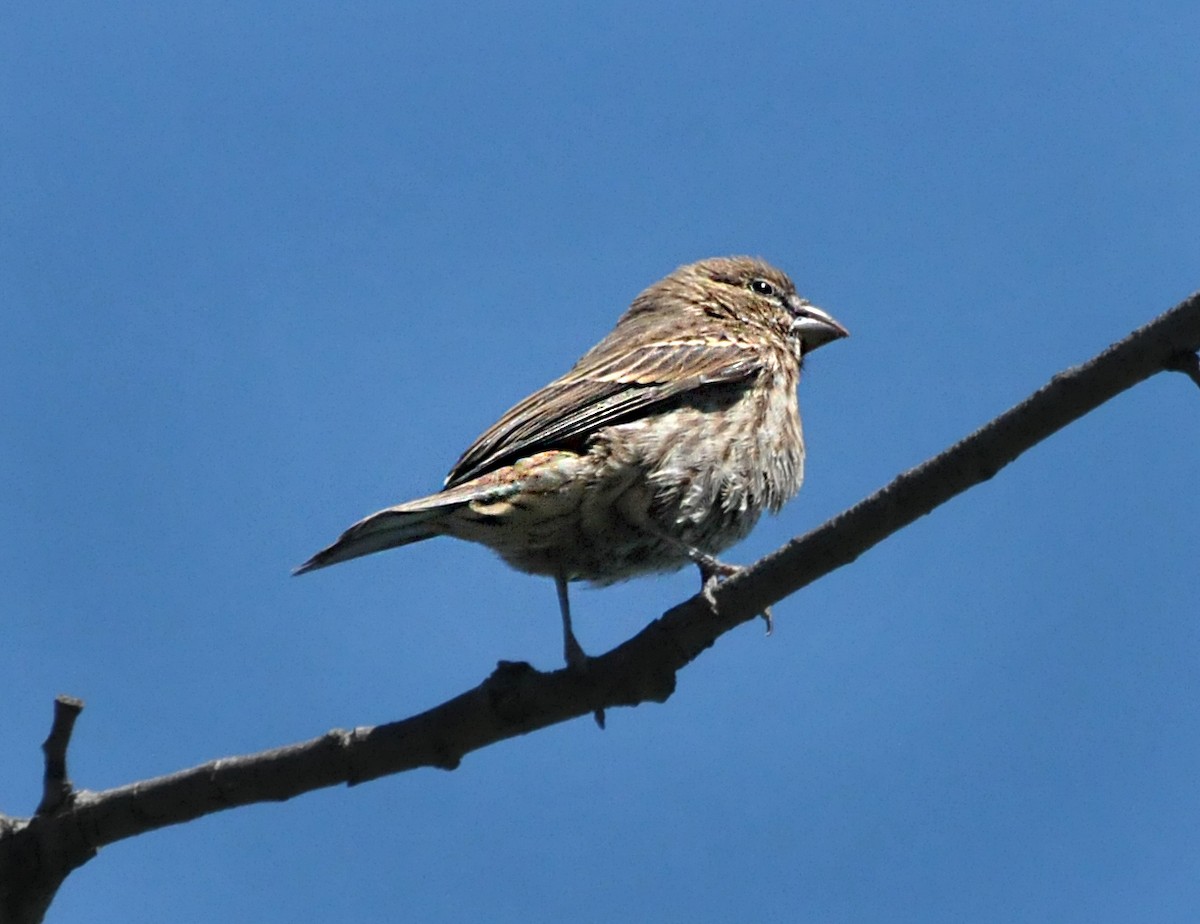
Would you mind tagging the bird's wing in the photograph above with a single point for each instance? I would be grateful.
(627, 375)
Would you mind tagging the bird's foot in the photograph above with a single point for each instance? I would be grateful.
(574, 654)
(712, 572)
(578, 660)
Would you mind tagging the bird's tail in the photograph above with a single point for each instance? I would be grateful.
(386, 529)
(412, 521)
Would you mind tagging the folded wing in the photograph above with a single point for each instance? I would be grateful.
(632, 373)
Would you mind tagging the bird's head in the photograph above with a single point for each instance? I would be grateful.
(749, 291)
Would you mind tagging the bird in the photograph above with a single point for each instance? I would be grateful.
(662, 445)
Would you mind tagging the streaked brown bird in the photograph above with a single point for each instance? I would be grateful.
(663, 444)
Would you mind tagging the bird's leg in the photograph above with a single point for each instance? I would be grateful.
(572, 650)
(712, 572)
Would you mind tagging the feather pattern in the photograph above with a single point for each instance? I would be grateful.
(617, 381)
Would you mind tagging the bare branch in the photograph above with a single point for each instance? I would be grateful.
(56, 787)
(37, 854)
(517, 699)
(1188, 364)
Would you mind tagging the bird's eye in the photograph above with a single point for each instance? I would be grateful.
(762, 287)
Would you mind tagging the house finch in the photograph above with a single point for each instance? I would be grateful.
(662, 445)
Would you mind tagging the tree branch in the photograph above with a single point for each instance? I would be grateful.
(37, 855)
(517, 699)
(56, 787)
(1188, 364)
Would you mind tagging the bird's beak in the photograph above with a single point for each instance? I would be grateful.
(814, 326)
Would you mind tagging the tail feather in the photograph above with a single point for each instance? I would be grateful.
(404, 523)
(386, 529)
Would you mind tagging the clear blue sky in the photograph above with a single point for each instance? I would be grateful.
(269, 267)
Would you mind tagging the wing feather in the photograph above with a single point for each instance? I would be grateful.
(622, 378)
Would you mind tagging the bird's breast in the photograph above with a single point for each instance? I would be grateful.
(716, 462)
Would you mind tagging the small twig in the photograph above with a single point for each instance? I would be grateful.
(1187, 363)
(56, 786)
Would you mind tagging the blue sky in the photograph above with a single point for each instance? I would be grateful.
(269, 267)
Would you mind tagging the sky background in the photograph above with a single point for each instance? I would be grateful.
(266, 268)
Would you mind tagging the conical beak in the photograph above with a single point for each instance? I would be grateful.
(814, 326)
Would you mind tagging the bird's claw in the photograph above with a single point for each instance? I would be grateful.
(713, 572)
(576, 657)
(578, 660)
